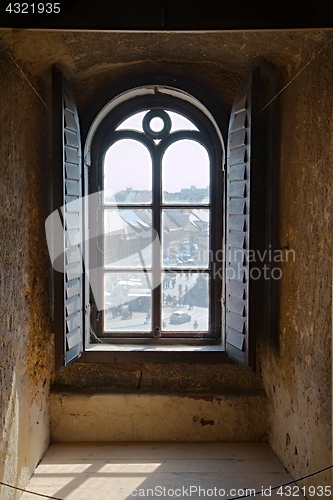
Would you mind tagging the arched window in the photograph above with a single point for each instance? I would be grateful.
(157, 217)
(155, 252)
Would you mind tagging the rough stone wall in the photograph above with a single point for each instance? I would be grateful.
(24, 312)
(159, 378)
(297, 361)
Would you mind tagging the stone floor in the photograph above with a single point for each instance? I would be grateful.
(119, 471)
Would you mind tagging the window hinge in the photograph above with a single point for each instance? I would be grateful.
(157, 332)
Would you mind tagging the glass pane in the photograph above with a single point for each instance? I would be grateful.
(185, 173)
(185, 238)
(127, 238)
(133, 122)
(127, 172)
(127, 302)
(185, 302)
(156, 124)
(179, 122)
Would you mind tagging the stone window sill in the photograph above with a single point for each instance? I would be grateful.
(118, 353)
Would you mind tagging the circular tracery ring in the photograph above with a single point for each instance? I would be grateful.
(156, 134)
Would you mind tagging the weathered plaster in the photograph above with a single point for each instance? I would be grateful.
(297, 367)
(24, 312)
(157, 417)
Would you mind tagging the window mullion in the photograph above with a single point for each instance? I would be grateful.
(156, 275)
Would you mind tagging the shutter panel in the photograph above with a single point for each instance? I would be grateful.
(67, 199)
(240, 153)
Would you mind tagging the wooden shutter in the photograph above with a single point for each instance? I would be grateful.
(67, 199)
(240, 342)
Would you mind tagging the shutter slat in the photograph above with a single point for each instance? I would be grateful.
(236, 305)
(73, 220)
(73, 237)
(73, 288)
(71, 155)
(68, 104)
(237, 172)
(74, 338)
(237, 156)
(73, 254)
(236, 288)
(236, 239)
(73, 188)
(237, 189)
(235, 338)
(236, 322)
(67, 175)
(73, 321)
(73, 304)
(239, 121)
(70, 122)
(241, 105)
(74, 353)
(238, 139)
(237, 206)
(73, 171)
(71, 139)
(236, 255)
(236, 222)
(73, 271)
(73, 204)
(235, 272)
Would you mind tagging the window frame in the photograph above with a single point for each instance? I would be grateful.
(210, 140)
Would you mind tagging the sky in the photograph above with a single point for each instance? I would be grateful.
(128, 163)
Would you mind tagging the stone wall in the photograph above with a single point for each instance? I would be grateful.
(297, 353)
(24, 312)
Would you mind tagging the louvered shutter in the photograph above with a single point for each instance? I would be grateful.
(240, 149)
(67, 199)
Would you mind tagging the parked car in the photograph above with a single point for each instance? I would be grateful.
(178, 318)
